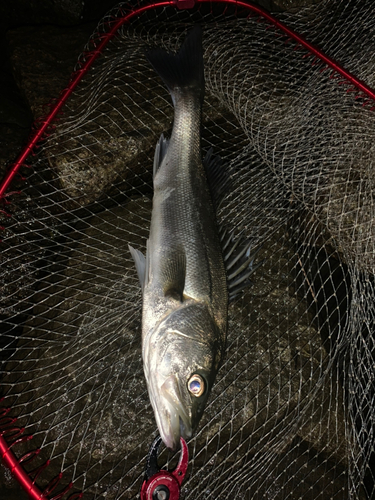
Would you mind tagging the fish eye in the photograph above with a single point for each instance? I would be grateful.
(196, 385)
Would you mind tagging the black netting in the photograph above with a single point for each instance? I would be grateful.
(291, 415)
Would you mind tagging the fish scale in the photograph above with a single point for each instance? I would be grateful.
(181, 210)
(185, 297)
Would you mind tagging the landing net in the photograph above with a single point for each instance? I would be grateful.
(291, 415)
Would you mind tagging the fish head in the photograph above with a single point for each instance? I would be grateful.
(181, 361)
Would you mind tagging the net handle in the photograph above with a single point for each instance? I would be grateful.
(24, 479)
(18, 471)
(42, 131)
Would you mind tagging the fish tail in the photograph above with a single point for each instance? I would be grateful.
(184, 70)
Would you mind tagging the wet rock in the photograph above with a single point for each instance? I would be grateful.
(112, 148)
(112, 131)
(328, 173)
(81, 390)
(271, 322)
(91, 294)
(104, 136)
(112, 121)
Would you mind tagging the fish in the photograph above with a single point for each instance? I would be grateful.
(183, 276)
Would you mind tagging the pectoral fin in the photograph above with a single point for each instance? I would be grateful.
(140, 265)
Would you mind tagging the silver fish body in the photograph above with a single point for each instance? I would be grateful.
(185, 297)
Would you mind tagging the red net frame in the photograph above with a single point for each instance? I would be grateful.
(10, 434)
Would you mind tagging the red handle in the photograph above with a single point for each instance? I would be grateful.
(165, 485)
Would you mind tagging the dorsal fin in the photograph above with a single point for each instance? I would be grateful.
(160, 152)
(217, 176)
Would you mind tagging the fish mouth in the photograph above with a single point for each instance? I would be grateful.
(172, 417)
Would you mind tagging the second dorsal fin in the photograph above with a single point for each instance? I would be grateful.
(238, 258)
(160, 152)
(217, 176)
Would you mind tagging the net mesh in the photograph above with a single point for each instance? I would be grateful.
(291, 415)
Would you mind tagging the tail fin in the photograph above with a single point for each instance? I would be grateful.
(184, 69)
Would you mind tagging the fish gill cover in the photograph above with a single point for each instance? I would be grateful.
(291, 414)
